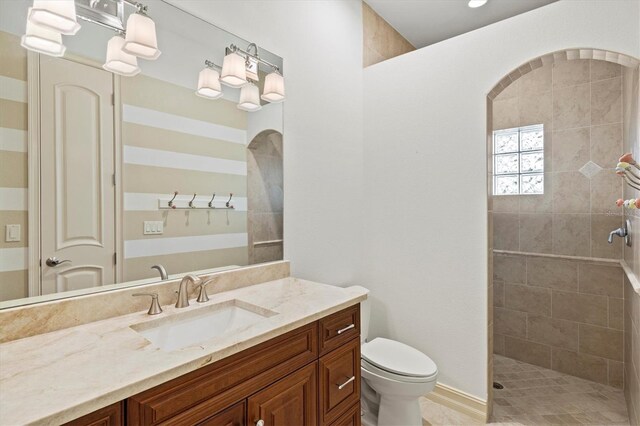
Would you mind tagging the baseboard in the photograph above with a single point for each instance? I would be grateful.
(460, 401)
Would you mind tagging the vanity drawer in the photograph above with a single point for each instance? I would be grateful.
(350, 418)
(339, 381)
(232, 416)
(339, 328)
(194, 397)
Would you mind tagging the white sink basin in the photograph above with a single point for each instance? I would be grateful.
(201, 325)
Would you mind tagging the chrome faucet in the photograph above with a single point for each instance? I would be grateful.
(163, 272)
(203, 296)
(183, 293)
(623, 232)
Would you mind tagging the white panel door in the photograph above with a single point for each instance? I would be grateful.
(77, 168)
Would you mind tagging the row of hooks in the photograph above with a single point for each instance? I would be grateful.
(626, 169)
(173, 204)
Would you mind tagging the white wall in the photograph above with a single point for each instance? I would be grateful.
(425, 236)
(321, 43)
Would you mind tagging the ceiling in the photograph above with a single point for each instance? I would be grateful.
(424, 22)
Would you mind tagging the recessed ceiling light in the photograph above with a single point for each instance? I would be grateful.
(476, 3)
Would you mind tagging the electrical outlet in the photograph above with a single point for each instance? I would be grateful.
(153, 227)
(12, 233)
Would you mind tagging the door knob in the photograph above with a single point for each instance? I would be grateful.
(54, 261)
(260, 422)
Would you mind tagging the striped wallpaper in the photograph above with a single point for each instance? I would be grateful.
(172, 141)
(13, 166)
(176, 141)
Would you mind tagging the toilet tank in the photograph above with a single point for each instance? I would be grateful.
(365, 315)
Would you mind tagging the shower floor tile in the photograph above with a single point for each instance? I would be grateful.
(534, 395)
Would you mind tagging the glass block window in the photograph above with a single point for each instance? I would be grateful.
(518, 161)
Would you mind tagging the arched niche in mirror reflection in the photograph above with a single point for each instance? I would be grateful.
(265, 197)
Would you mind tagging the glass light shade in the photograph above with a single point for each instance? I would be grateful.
(42, 40)
(55, 15)
(273, 88)
(234, 71)
(141, 38)
(209, 84)
(119, 61)
(249, 98)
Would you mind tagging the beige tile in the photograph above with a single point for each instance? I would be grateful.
(552, 273)
(616, 374)
(606, 143)
(536, 81)
(505, 231)
(535, 109)
(510, 269)
(505, 114)
(510, 323)
(601, 341)
(581, 365)
(616, 313)
(571, 234)
(584, 308)
(498, 294)
(535, 233)
(506, 203)
(570, 192)
(602, 70)
(572, 107)
(498, 343)
(604, 280)
(606, 101)
(570, 73)
(512, 91)
(542, 203)
(601, 226)
(570, 149)
(552, 332)
(535, 300)
(606, 188)
(530, 352)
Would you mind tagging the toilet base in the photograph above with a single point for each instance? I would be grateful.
(398, 410)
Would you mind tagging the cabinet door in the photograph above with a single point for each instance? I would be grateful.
(290, 401)
(232, 416)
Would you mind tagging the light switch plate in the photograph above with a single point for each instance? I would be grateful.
(12, 233)
(153, 227)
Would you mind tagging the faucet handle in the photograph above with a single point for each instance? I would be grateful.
(155, 308)
(203, 296)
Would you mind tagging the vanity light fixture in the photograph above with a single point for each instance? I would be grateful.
(209, 82)
(249, 98)
(42, 40)
(55, 15)
(476, 3)
(234, 71)
(141, 39)
(118, 61)
(273, 88)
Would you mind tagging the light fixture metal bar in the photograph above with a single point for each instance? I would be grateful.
(103, 24)
(236, 49)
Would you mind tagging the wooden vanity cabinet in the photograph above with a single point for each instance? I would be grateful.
(307, 377)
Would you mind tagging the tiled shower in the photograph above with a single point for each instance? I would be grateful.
(558, 290)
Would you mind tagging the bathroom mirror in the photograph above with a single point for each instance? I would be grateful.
(91, 160)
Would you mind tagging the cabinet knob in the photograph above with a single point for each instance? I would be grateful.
(260, 422)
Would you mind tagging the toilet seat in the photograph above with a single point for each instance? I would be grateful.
(397, 361)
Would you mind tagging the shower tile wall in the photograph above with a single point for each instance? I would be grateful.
(560, 314)
(580, 104)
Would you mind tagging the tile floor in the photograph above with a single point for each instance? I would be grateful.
(534, 395)
(538, 396)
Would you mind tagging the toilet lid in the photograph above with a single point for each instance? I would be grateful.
(398, 358)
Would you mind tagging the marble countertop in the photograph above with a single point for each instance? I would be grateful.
(56, 377)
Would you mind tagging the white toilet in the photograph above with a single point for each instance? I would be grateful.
(394, 377)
